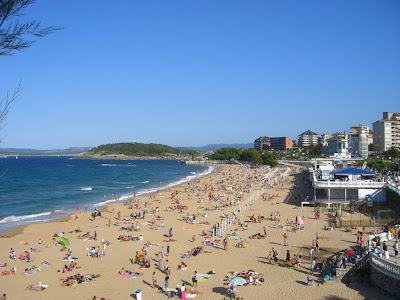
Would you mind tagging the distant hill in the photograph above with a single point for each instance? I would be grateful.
(17, 151)
(215, 147)
(121, 150)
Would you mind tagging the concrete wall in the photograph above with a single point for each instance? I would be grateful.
(387, 283)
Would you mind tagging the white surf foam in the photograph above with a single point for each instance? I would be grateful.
(11, 219)
(87, 188)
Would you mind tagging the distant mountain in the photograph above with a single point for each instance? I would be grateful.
(71, 150)
(215, 147)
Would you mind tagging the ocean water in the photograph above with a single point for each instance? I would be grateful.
(38, 189)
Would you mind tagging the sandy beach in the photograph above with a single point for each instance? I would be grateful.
(169, 209)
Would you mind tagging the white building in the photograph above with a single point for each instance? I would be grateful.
(387, 132)
(337, 145)
(334, 185)
(308, 138)
(359, 140)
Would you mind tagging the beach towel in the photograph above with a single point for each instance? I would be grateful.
(203, 277)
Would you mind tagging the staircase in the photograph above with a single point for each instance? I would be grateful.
(345, 276)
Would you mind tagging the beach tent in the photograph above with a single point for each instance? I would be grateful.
(237, 281)
(63, 241)
(300, 220)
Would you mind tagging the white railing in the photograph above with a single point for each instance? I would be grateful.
(394, 187)
(384, 266)
(349, 184)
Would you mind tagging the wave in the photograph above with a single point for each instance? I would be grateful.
(12, 219)
(193, 173)
(87, 188)
(145, 181)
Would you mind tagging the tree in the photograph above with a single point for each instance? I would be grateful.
(391, 153)
(6, 104)
(226, 154)
(270, 158)
(16, 36)
(252, 155)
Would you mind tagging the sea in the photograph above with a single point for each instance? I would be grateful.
(43, 188)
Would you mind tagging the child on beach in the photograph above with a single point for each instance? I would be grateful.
(285, 243)
(154, 280)
(166, 283)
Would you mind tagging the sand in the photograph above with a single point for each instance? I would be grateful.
(281, 281)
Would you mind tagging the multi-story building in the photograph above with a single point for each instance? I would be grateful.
(387, 132)
(337, 145)
(308, 138)
(281, 143)
(273, 143)
(263, 142)
(359, 140)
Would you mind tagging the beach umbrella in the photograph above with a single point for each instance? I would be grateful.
(237, 281)
(63, 241)
(349, 252)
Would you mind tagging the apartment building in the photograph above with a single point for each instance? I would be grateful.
(273, 143)
(387, 132)
(263, 142)
(308, 138)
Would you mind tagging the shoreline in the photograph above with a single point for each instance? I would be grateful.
(17, 230)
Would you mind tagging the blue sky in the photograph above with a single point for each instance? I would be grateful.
(190, 73)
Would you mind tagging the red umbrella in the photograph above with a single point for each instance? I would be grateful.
(349, 252)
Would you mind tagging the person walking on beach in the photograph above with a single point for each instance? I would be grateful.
(285, 243)
(311, 252)
(225, 241)
(287, 255)
(154, 280)
(317, 245)
(313, 265)
(194, 279)
(166, 283)
(168, 250)
(170, 233)
(183, 291)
